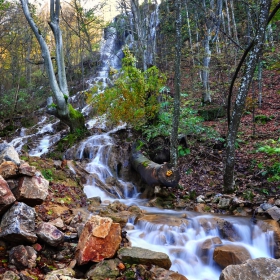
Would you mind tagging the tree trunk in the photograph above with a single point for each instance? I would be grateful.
(73, 119)
(229, 184)
(177, 79)
(153, 173)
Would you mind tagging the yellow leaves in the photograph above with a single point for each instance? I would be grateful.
(168, 173)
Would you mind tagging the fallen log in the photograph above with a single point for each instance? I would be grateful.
(153, 173)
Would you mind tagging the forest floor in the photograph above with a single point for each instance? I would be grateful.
(202, 170)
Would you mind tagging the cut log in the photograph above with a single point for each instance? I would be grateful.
(153, 173)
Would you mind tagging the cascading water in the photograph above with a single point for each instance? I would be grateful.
(180, 234)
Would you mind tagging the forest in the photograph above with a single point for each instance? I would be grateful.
(194, 83)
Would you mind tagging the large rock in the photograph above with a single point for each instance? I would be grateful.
(204, 247)
(107, 269)
(50, 234)
(267, 226)
(8, 169)
(100, 239)
(230, 254)
(258, 269)
(23, 257)
(163, 220)
(26, 169)
(6, 196)
(274, 213)
(18, 224)
(31, 190)
(59, 274)
(8, 153)
(10, 275)
(136, 255)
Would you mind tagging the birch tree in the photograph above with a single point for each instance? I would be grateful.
(250, 65)
(61, 109)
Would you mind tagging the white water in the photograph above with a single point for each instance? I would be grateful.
(181, 242)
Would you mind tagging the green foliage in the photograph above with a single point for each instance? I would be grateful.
(271, 147)
(263, 119)
(48, 174)
(183, 151)
(133, 98)
(248, 195)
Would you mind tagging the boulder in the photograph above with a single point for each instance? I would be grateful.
(99, 240)
(106, 269)
(230, 254)
(18, 224)
(8, 153)
(136, 255)
(259, 269)
(31, 190)
(50, 234)
(23, 257)
(274, 213)
(227, 230)
(6, 196)
(163, 220)
(8, 169)
(205, 246)
(26, 169)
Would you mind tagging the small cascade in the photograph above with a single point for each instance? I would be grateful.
(183, 242)
(39, 138)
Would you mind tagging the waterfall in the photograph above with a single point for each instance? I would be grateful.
(176, 233)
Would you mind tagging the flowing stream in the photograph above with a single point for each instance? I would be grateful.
(180, 234)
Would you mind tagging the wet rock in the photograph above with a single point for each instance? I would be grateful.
(50, 234)
(32, 190)
(268, 226)
(107, 269)
(8, 153)
(163, 220)
(205, 246)
(61, 274)
(274, 213)
(6, 196)
(136, 255)
(10, 275)
(230, 254)
(18, 224)
(26, 169)
(23, 257)
(227, 230)
(260, 268)
(163, 274)
(99, 239)
(8, 169)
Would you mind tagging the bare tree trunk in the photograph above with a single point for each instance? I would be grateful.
(67, 114)
(229, 183)
(177, 79)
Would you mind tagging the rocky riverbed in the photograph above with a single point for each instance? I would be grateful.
(50, 230)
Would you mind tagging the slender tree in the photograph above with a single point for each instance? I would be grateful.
(62, 109)
(250, 65)
(177, 85)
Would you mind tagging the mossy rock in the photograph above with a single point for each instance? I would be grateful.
(211, 113)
